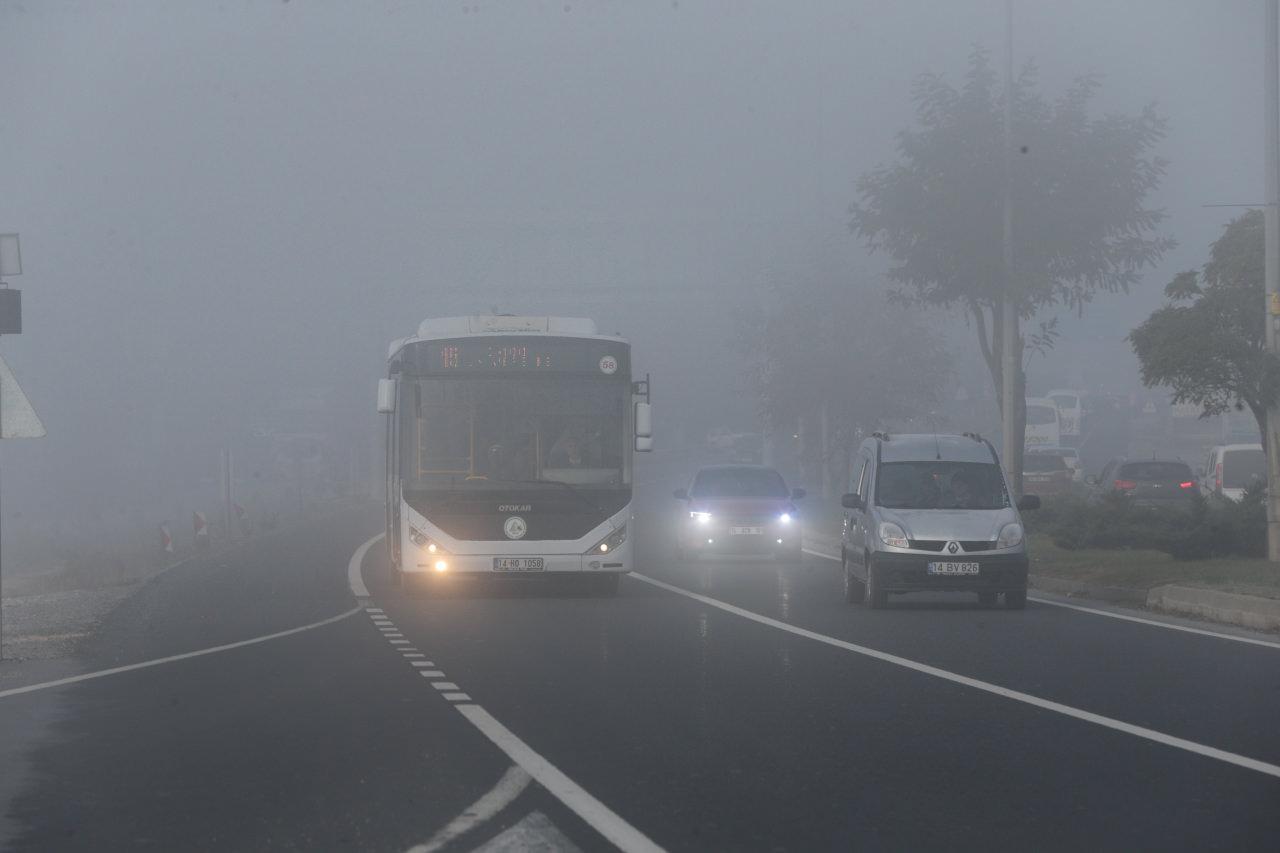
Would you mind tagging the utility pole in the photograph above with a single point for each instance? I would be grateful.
(1009, 356)
(1272, 230)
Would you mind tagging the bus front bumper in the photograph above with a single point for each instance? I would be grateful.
(495, 565)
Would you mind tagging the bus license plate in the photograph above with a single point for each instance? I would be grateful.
(953, 568)
(517, 564)
(748, 531)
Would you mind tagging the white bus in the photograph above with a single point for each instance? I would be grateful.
(509, 449)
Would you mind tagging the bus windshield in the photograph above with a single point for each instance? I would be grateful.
(482, 432)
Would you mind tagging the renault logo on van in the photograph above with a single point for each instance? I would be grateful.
(515, 527)
(952, 547)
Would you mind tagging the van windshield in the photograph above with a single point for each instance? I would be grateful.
(941, 485)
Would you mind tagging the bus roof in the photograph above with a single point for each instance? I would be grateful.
(485, 325)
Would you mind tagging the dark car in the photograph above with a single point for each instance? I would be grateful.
(739, 509)
(1149, 482)
(1046, 473)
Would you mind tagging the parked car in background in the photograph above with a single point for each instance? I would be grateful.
(1155, 483)
(1070, 411)
(1043, 426)
(1047, 472)
(1231, 469)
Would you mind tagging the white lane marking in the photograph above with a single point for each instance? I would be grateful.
(534, 832)
(1155, 623)
(501, 795)
(355, 578)
(414, 655)
(396, 636)
(600, 817)
(44, 685)
(444, 685)
(370, 609)
(399, 642)
(421, 663)
(1005, 692)
(457, 697)
(432, 673)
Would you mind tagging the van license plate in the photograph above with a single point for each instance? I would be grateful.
(749, 531)
(517, 564)
(953, 568)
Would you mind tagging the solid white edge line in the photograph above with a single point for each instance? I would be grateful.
(31, 688)
(501, 795)
(600, 817)
(1004, 692)
(1154, 623)
(355, 577)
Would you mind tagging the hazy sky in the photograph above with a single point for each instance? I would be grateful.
(221, 203)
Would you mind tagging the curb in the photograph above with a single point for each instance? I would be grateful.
(1076, 589)
(1249, 611)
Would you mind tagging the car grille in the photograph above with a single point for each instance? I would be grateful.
(936, 545)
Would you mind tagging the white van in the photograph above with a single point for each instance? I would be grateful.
(1043, 426)
(1070, 410)
(1231, 469)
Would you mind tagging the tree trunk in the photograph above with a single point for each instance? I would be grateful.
(992, 354)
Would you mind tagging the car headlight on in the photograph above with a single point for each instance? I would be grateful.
(610, 542)
(785, 518)
(1010, 535)
(700, 517)
(893, 535)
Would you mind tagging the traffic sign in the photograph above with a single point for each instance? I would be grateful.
(18, 418)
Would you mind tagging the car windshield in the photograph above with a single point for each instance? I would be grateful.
(941, 485)
(1044, 462)
(1155, 472)
(1041, 416)
(1241, 468)
(738, 483)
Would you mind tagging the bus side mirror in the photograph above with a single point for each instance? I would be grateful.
(386, 396)
(643, 444)
(644, 421)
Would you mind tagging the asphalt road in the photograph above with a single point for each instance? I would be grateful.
(768, 715)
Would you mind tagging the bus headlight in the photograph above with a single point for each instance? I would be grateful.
(610, 542)
(426, 543)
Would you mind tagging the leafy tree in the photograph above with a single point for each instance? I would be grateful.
(1209, 344)
(818, 345)
(1077, 185)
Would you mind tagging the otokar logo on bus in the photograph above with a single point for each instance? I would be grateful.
(515, 527)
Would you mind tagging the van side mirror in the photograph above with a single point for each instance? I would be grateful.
(797, 494)
(681, 494)
(1029, 502)
(386, 396)
(851, 501)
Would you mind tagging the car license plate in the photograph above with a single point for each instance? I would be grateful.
(739, 531)
(953, 568)
(517, 564)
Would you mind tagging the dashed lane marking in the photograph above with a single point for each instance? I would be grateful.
(596, 814)
(1154, 623)
(102, 673)
(1004, 692)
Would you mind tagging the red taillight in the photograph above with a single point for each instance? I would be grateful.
(1187, 485)
(1125, 485)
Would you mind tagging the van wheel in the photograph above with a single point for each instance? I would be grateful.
(855, 591)
(876, 597)
(1015, 599)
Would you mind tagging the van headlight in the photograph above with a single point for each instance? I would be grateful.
(893, 535)
(611, 542)
(1010, 535)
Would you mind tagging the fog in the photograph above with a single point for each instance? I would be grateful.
(227, 210)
